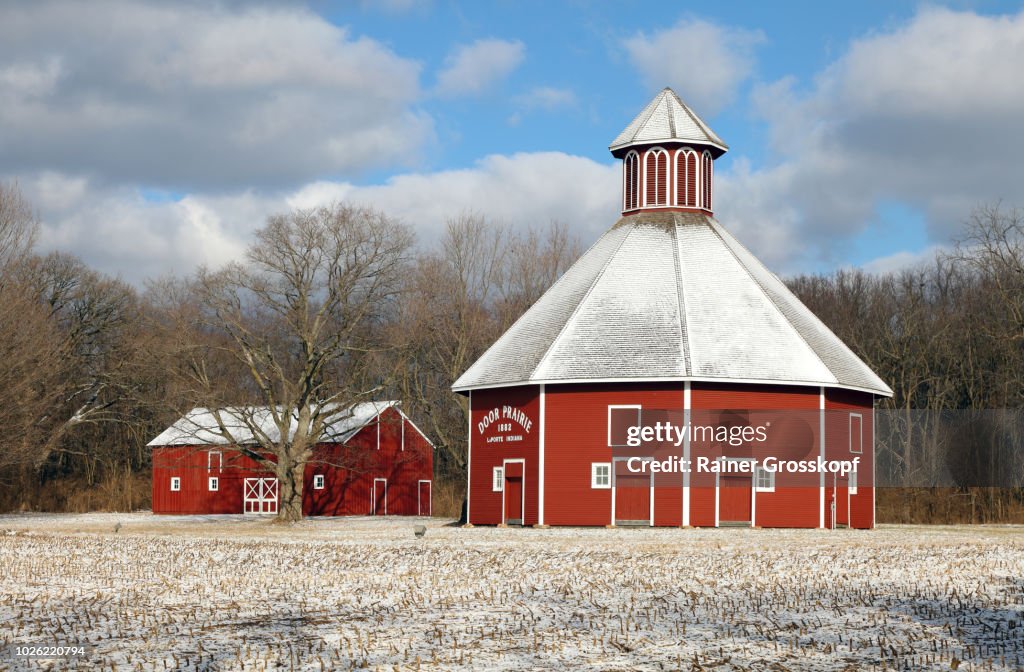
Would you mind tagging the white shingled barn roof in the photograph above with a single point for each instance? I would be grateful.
(200, 427)
(667, 119)
(669, 296)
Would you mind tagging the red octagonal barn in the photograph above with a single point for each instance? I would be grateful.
(668, 322)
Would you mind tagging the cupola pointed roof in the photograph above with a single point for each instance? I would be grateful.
(667, 119)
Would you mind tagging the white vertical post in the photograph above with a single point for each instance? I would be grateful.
(687, 393)
(469, 453)
(874, 471)
(540, 461)
(821, 438)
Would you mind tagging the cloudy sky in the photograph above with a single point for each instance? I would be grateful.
(155, 136)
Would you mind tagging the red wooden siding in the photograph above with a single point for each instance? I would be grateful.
(793, 504)
(490, 448)
(190, 465)
(404, 458)
(577, 436)
(839, 404)
(576, 421)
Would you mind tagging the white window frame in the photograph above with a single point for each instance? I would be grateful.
(175, 483)
(213, 483)
(498, 480)
(634, 157)
(709, 186)
(679, 200)
(655, 151)
(595, 477)
(860, 420)
(852, 483)
(612, 407)
(757, 480)
(209, 460)
(318, 481)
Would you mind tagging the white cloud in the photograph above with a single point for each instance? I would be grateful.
(187, 94)
(120, 232)
(473, 68)
(894, 263)
(928, 115)
(704, 63)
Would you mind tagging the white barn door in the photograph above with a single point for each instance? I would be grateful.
(260, 495)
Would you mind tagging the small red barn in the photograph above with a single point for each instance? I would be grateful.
(372, 460)
(669, 378)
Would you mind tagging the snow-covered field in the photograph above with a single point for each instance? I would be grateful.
(227, 593)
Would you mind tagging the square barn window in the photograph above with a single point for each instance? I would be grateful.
(620, 419)
(498, 481)
(175, 483)
(318, 482)
(214, 483)
(764, 480)
(601, 475)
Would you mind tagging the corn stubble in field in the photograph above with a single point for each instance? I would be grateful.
(361, 593)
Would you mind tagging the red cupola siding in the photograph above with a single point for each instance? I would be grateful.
(669, 378)
(372, 460)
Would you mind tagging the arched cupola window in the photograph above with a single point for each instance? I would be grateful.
(631, 181)
(686, 178)
(656, 177)
(705, 174)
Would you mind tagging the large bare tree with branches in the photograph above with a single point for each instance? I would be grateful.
(295, 320)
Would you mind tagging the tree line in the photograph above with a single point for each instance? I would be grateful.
(340, 304)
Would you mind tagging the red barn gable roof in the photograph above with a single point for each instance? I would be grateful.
(669, 296)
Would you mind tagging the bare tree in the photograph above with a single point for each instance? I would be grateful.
(295, 319)
(18, 225)
(463, 295)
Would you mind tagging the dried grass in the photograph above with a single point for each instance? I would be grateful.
(234, 593)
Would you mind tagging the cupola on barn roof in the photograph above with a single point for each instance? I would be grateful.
(668, 294)
(667, 119)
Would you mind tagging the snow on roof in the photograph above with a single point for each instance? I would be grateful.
(667, 119)
(200, 427)
(669, 296)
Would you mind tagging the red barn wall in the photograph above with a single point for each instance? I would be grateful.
(191, 464)
(576, 436)
(379, 450)
(487, 451)
(839, 404)
(404, 458)
(792, 505)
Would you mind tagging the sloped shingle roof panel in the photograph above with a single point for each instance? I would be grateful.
(667, 119)
(629, 321)
(200, 425)
(669, 296)
(516, 355)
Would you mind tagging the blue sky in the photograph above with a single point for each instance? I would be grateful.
(153, 137)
